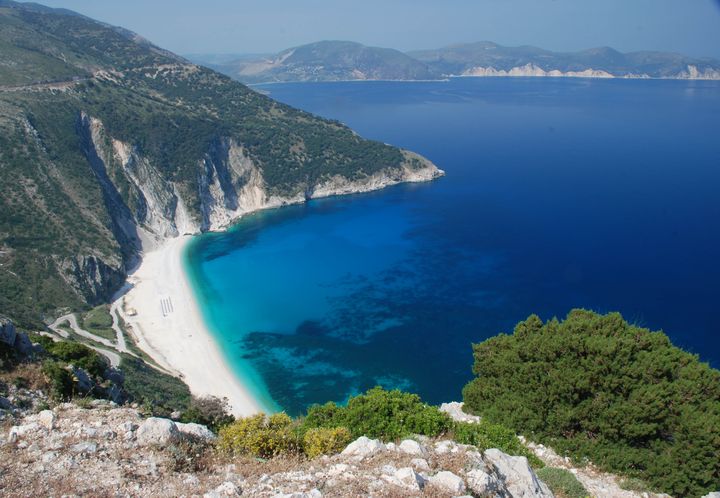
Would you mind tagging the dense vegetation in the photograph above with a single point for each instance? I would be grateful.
(378, 413)
(61, 206)
(562, 483)
(602, 389)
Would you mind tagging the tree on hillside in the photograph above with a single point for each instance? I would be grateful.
(599, 388)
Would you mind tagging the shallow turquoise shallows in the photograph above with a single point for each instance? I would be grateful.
(560, 193)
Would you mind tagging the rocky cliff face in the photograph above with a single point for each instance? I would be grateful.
(117, 452)
(146, 209)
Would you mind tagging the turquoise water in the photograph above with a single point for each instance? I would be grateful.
(559, 194)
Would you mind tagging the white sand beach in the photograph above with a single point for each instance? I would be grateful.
(161, 309)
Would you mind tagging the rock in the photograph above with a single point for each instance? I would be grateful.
(442, 447)
(714, 494)
(411, 447)
(19, 431)
(5, 404)
(47, 419)
(455, 410)
(391, 447)
(84, 447)
(23, 345)
(363, 447)
(225, 489)
(314, 493)
(518, 477)
(447, 481)
(196, 431)
(420, 464)
(84, 382)
(157, 432)
(176, 415)
(7, 331)
(388, 469)
(483, 484)
(409, 478)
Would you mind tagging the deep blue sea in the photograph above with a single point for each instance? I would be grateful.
(560, 193)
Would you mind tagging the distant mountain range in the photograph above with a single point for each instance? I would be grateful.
(342, 60)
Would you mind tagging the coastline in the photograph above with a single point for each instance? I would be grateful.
(168, 325)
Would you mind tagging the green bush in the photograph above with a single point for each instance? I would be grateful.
(80, 356)
(323, 441)
(388, 415)
(208, 410)
(596, 387)
(159, 392)
(562, 483)
(62, 385)
(486, 435)
(260, 436)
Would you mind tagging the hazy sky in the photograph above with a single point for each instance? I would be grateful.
(253, 26)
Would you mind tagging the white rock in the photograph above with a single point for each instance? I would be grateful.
(338, 469)
(455, 410)
(19, 431)
(518, 477)
(483, 484)
(191, 480)
(420, 464)
(411, 447)
(447, 481)
(442, 447)
(225, 489)
(157, 431)
(410, 479)
(196, 431)
(363, 447)
(47, 419)
(84, 447)
(714, 494)
(388, 469)
(391, 447)
(314, 493)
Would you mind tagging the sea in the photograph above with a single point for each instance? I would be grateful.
(559, 193)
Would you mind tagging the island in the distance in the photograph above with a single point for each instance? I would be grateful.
(349, 61)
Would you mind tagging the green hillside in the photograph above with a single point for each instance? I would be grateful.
(71, 90)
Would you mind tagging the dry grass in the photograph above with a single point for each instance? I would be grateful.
(29, 375)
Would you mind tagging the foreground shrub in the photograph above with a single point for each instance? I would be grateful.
(378, 413)
(62, 384)
(597, 387)
(210, 411)
(80, 356)
(562, 483)
(259, 436)
(486, 435)
(323, 441)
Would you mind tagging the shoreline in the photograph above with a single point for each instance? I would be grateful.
(169, 327)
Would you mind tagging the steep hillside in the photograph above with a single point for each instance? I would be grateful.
(491, 59)
(329, 61)
(110, 145)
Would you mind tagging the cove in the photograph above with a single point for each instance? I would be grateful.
(559, 194)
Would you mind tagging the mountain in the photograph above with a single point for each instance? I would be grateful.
(339, 61)
(491, 59)
(110, 145)
(328, 61)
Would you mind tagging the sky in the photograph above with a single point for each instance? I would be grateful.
(691, 27)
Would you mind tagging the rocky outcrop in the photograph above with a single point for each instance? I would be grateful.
(532, 70)
(123, 455)
(18, 342)
(455, 410)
